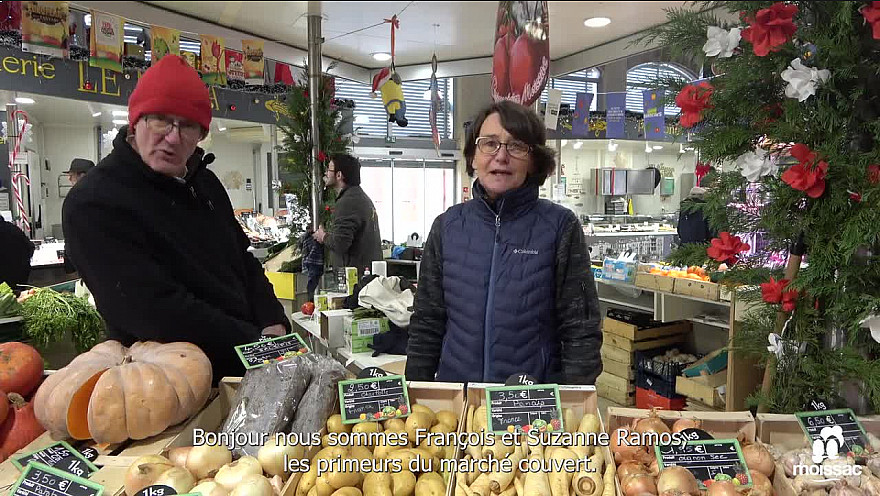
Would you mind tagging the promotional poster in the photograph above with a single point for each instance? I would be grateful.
(106, 40)
(164, 41)
(521, 58)
(44, 28)
(213, 59)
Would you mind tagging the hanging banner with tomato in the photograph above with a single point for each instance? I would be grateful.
(106, 38)
(44, 28)
(521, 60)
(213, 60)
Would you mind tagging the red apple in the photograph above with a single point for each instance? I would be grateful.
(308, 308)
(501, 66)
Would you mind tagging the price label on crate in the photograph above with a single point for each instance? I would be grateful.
(43, 480)
(373, 399)
(834, 432)
(370, 372)
(60, 456)
(523, 408)
(264, 352)
(710, 460)
(160, 490)
(520, 380)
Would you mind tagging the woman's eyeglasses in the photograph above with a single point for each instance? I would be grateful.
(515, 148)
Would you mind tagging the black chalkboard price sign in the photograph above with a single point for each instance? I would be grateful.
(523, 408)
(373, 399)
(42, 480)
(61, 456)
(264, 352)
(709, 460)
(834, 432)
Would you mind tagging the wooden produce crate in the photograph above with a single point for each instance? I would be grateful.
(434, 395)
(785, 433)
(655, 282)
(703, 388)
(697, 289)
(620, 342)
(723, 425)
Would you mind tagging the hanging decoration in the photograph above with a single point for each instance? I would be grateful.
(693, 100)
(435, 105)
(721, 43)
(803, 80)
(106, 40)
(19, 179)
(234, 69)
(871, 12)
(213, 60)
(254, 64)
(808, 175)
(521, 57)
(655, 114)
(873, 323)
(771, 28)
(389, 84)
(44, 28)
(755, 164)
(701, 170)
(163, 41)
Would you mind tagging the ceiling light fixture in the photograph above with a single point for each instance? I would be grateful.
(120, 113)
(648, 148)
(564, 143)
(24, 100)
(597, 22)
(657, 147)
(578, 145)
(96, 114)
(120, 122)
(221, 128)
(382, 56)
(612, 146)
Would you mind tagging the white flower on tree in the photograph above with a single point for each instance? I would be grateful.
(721, 42)
(755, 164)
(803, 80)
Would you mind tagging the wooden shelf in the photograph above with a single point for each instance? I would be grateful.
(625, 304)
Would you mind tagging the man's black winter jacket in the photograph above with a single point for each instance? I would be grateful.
(165, 259)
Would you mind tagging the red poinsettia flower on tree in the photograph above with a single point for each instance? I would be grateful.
(809, 174)
(693, 99)
(789, 301)
(871, 12)
(771, 292)
(701, 171)
(770, 28)
(322, 157)
(874, 174)
(725, 248)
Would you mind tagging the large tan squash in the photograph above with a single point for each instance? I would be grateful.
(113, 393)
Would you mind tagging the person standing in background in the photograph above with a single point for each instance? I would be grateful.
(79, 167)
(354, 239)
(17, 249)
(692, 224)
(312, 261)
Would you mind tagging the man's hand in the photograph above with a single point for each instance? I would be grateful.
(275, 331)
(320, 234)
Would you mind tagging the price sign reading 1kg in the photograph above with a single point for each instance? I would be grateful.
(264, 352)
(43, 480)
(373, 399)
(834, 432)
(523, 408)
(61, 456)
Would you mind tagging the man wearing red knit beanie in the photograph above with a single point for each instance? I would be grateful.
(153, 235)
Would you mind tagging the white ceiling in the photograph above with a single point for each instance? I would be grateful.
(465, 29)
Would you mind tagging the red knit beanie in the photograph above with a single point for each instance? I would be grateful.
(171, 87)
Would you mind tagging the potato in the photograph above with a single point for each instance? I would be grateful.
(442, 428)
(347, 491)
(377, 484)
(395, 425)
(416, 421)
(430, 484)
(427, 411)
(435, 450)
(480, 419)
(335, 425)
(403, 483)
(448, 418)
(308, 480)
(361, 453)
(569, 420)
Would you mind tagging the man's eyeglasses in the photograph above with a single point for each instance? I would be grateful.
(515, 148)
(161, 124)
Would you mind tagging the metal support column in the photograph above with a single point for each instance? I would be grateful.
(315, 67)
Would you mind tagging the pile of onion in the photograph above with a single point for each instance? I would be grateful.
(652, 424)
(678, 479)
(758, 459)
(624, 452)
(761, 485)
(686, 423)
(638, 485)
(723, 488)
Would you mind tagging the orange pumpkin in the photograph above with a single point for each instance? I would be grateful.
(20, 428)
(21, 368)
(113, 393)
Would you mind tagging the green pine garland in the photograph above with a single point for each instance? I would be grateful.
(841, 229)
(296, 126)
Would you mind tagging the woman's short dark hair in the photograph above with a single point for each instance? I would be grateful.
(349, 166)
(523, 124)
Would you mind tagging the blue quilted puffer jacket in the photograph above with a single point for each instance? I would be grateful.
(505, 289)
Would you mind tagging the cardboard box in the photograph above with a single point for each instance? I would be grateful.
(703, 388)
(619, 270)
(335, 301)
(655, 282)
(351, 279)
(710, 364)
(359, 333)
(322, 303)
(633, 332)
(332, 327)
(698, 289)
(784, 432)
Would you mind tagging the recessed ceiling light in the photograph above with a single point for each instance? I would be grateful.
(96, 114)
(382, 56)
(120, 113)
(657, 147)
(578, 145)
(597, 22)
(221, 128)
(24, 100)
(120, 122)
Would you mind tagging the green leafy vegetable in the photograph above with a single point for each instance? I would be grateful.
(9, 306)
(49, 316)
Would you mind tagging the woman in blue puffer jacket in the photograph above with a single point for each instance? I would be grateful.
(505, 285)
